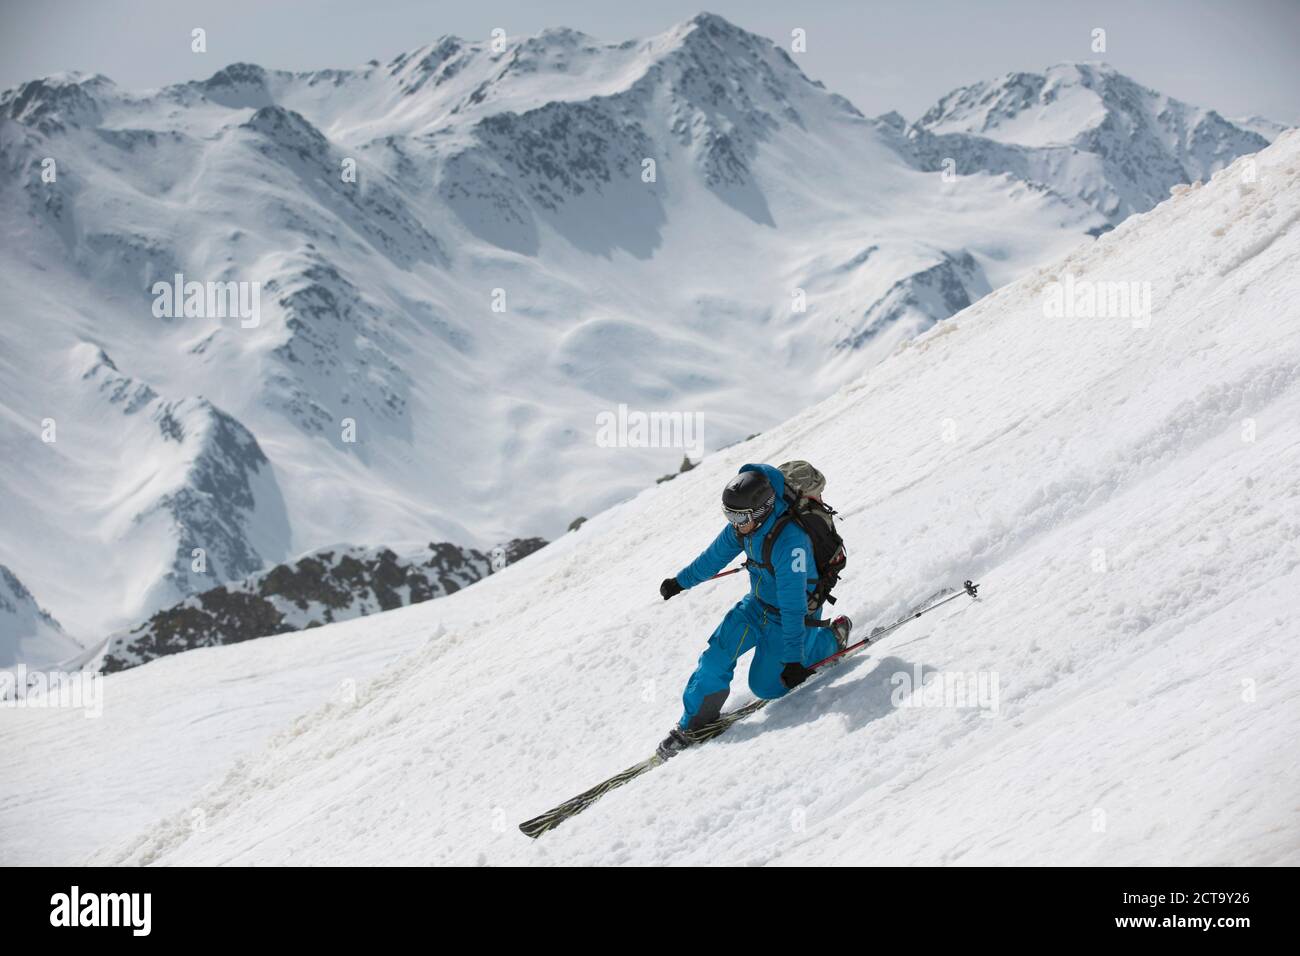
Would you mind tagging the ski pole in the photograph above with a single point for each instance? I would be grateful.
(723, 574)
(967, 588)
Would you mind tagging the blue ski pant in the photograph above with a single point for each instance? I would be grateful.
(747, 626)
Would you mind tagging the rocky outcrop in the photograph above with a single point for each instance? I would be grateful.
(328, 585)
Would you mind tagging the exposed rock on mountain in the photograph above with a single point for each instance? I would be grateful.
(333, 584)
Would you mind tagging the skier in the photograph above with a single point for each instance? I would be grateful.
(769, 620)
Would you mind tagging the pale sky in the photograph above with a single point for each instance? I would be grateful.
(1238, 57)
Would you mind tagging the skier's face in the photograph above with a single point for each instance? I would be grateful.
(746, 528)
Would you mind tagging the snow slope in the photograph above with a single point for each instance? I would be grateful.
(69, 781)
(1127, 493)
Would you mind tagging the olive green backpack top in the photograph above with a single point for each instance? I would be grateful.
(804, 485)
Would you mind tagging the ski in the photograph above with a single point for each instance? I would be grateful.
(572, 807)
(553, 818)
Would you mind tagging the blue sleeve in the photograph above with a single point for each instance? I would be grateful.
(793, 568)
(711, 560)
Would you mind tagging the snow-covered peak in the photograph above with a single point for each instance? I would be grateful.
(1069, 104)
(236, 75)
(460, 78)
(53, 101)
(711, 32)
(1262, 125)
(1013, 108)
(1083, 130)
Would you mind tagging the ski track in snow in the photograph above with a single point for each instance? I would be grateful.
(1147, 714)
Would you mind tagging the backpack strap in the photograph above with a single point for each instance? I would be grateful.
(770, 540)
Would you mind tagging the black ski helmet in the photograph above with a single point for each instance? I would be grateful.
(748, 497)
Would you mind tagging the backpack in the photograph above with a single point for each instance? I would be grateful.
(803, 497)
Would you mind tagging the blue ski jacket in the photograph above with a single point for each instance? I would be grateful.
(785, 586)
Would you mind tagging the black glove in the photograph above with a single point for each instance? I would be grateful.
(794, 674)
(670, 588)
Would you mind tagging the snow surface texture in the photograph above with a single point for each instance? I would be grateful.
(1146, 712)
(520, 171)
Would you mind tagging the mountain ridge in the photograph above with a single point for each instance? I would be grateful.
(531, 238)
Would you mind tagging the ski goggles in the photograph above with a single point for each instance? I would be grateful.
(743, 517)
(738, 518)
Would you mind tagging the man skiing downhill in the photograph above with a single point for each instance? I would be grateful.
(769, 620)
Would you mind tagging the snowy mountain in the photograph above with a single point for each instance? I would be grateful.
(1083, 130)
(329, 585)
(28, 634)
(268, 311)
(1261, 125)
(1125, 488)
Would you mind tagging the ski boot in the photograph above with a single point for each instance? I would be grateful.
(673, 744)
(841, 627)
